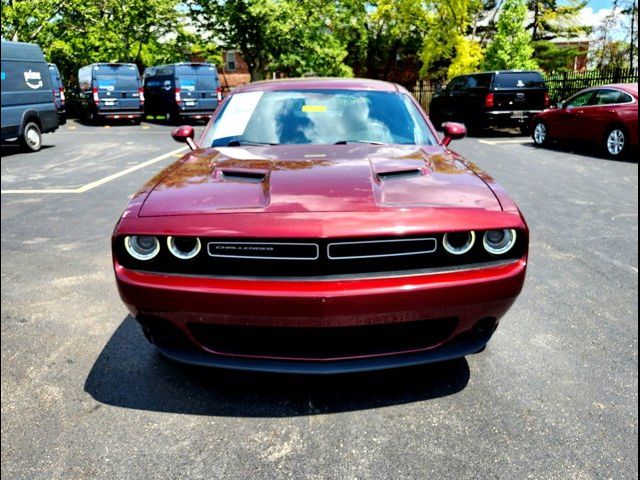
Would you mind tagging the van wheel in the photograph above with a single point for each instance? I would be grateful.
(173, 118)
(31, 138)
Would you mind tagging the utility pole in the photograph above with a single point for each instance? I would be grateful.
(634, 11)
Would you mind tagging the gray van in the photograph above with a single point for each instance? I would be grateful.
(182, 90)
(28, 105)
(58, 93)
(111, 90)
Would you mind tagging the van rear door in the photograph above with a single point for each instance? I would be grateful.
(198, 88)
(118, 88)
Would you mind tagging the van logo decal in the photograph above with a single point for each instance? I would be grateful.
(167, 84)
(33, 79)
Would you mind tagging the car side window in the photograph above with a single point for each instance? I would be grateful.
(456, 84)
(605, 97)
(580, 100)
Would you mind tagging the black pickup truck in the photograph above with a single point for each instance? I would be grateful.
(507, 98)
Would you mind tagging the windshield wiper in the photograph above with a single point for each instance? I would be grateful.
(345, 142)
(239, 143)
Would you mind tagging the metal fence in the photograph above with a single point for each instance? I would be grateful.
(564, 84)
(423, 91)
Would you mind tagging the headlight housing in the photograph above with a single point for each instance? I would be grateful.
(184, 248)
(497, 242)
(459, 243)
(142, 247)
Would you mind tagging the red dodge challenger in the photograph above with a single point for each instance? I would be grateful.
(320, 226)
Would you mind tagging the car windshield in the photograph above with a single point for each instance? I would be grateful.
(319, 117)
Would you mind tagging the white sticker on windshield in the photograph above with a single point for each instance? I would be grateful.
(236, 115)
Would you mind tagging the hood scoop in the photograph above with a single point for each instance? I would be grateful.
(407, 172)
(237, 175)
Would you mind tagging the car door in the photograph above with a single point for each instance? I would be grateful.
(568, 122)
(599, 114)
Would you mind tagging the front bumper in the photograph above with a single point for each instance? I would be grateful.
(469, 296)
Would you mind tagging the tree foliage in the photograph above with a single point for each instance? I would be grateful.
(551, 19)
(287, 36)
(74, 33)
(608, 50)
(553, 58)
(511, 47)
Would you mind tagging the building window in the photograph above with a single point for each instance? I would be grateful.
(231, 61)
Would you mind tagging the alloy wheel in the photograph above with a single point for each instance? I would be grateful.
(615, 142)
(540, 133)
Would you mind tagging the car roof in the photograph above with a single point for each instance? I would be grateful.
(627, 87)
(498, 72)
(320, 83)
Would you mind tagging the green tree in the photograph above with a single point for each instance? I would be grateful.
(511, 47)
(74, 33)
(453, 40)
(551, 19)
(553, 58)
(287, 36)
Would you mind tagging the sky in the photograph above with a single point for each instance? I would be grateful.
(595, 11)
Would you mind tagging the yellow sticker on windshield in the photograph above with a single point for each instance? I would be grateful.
(314, 108)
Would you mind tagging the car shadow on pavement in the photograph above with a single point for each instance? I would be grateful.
(12, 148)
(585, 149)
(129, 373)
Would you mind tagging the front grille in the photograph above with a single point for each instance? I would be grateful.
(324, 342)
(264, 250)
(321, 258)
(380, 248)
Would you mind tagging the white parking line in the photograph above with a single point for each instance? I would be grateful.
(499, 142)
(102, 181)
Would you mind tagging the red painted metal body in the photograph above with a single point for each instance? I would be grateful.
(591, 122)
(321, 192)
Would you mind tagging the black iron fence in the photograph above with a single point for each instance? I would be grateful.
(423, 91)
(564, 84)
(561, 84)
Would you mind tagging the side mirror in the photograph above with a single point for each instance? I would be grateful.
(185, 134)
(560, 105)
(452, 131)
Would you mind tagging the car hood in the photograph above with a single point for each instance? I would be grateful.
(316, 178)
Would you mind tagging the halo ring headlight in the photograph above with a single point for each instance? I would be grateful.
(142, 247)
(497, 242)
(179, 251)
(452, 242)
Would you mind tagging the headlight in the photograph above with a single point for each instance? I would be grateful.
(142, 247)
(183, 247)
(498, 242)
(459, 243)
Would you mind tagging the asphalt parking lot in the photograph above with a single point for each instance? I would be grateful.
(554, 396)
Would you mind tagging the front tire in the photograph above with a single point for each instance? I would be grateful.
(31, 138)
(540, 134)
(173, 118)
(615, 142)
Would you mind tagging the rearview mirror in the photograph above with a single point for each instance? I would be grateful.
(185, 134)
(452, 131)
